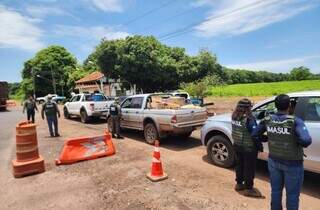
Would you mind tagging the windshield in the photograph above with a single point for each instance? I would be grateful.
(95, 97)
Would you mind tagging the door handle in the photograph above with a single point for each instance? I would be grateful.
(137, 112)
(126, 112)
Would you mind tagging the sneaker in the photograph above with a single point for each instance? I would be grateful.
(57, 135)
(239, 187)
(113, 136)
(255, 193)
(119, 137)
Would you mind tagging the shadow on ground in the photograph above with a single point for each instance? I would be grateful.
(311, 183)
(173, 143)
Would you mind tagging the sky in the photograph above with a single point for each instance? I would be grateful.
(272, 35)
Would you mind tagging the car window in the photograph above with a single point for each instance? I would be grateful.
(308, 109)
(95, 97)
(126, 103)
(136, 103)
(265, 110)
(76, 98)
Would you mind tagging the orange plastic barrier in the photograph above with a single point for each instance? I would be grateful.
(86, 148)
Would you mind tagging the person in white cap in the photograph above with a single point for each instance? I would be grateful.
(51, 110)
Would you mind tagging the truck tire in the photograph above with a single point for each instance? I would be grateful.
(150, 133)
(220, 151)
(66, 113)
(84, 116)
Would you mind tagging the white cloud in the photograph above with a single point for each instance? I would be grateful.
(17, 31)
(226, 17)
(108, 5)
(42, 11)
(285, 65)
(90, 33)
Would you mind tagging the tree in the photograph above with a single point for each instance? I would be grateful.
(300, 73)
(50, 67)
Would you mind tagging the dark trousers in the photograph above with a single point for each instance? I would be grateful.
(246, 167)
(30, 115)
(53, 122)
(115, 125)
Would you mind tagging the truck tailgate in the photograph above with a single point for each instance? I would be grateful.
(190, 117)
(100, 106)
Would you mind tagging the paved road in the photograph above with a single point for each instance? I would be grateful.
(8, 120)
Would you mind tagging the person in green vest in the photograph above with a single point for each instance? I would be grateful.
(115, 116)
(243, 123)
(51, 111)
(287, 135)
(30, 106)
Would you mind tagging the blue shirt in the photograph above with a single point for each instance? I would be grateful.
(304, 138)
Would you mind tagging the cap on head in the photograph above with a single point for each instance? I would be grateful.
(49, 96)
(282, 102)
(116, 99)
(244, 103)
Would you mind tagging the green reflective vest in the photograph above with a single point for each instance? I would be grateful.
(282, 141)
(50, 108)
(241, 136)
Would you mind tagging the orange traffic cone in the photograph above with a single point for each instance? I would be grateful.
(156, 173)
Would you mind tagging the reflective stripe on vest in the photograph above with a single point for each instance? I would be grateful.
(241, 136)
(114, 110)
(282, 141)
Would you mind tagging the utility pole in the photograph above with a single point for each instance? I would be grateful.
(53, 82)
(34, 83)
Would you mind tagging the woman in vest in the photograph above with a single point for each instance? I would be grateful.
(243, 124)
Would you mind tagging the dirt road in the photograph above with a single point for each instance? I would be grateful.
(119, 182)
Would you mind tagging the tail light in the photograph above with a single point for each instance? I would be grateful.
(174, 119)
(92, 107)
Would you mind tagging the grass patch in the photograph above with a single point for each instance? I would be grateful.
(264, 89)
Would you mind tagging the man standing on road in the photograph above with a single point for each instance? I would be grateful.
(51, 110)
(30, 105)
(115, 114)
(286, 136)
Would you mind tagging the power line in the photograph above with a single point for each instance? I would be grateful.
(148, 12)
(189, 27)
(170, 18)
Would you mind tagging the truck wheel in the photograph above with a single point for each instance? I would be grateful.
(150, 133)
(84, 116)
(220, 151)
(66, 113)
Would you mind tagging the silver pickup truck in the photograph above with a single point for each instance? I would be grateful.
(138, 112)
(216, 133)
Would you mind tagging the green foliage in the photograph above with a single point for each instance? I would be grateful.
(150, 65)
(300, 73)
(264, 89)
(52, 63)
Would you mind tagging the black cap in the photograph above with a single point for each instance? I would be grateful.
(244, 103)
(282, 102)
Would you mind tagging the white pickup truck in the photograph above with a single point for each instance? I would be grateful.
(140, 112)
(87, 106)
